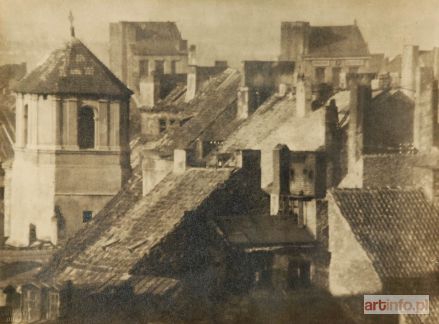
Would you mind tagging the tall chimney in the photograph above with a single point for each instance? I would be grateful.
(191, 86)
(360, 98)
(409, 65)
(180, 161)
(303, 97)
(243, 103)
(192, 55)
(426, 106)
(281, 177)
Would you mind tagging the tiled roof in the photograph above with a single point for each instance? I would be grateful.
(213, 109)
(75, 70)
(398, 229)
(337, 41)
(128, 228)
(431, 318)
(276, 122)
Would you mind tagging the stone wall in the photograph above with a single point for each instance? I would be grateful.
(351, 271)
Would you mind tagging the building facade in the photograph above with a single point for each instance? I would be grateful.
(143, 52)
(326, 54)
(71, 148)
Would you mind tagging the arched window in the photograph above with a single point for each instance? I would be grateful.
(25, 123)
(86, 128)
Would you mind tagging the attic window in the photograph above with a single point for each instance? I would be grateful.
(87, 215)
(79, 58)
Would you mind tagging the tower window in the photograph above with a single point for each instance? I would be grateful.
(86, 128)
(173, 67)
(87, 215)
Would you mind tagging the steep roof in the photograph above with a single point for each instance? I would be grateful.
(398, 229)
(276, 122)
(337, 41)
(213, 109)
(128, 228)
(73, 69)
(156, 38)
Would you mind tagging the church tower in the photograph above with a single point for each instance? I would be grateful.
(72, 146)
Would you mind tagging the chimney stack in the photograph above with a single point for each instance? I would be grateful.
(303, 97)
(281, 177)
(426, 110)
(180, 161)
(192, 55)
(191, 86)
(243, 103)
(154, 169)
(409, 65)
(360, 98)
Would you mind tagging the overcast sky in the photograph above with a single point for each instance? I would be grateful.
(226, 29)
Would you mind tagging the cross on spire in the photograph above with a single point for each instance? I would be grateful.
(72, 28)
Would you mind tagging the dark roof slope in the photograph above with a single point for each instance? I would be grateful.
(337, 41)
(398, 229)
(213, 109)
(75, 70)
(104, 253)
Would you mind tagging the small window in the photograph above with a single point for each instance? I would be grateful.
(159, 67)
(310, 175)
(305, 171)
(143, 68)
(87, 215)
(172, 122)
(292, 174)
(162, 125)
(320, 75)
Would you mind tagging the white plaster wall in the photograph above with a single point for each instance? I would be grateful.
(351, 271)
(32, 196)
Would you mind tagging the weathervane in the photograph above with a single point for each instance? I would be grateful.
(72, 28)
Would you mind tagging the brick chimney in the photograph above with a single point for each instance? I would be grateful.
(426, 110)
(360, 98)
(409, 65)
(303, 97)
(281, 177)
(149, 90)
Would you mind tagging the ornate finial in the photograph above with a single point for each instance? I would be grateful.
(72, 28)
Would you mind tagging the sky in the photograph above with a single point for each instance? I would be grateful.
(233, 30)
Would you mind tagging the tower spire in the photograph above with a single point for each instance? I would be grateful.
(72, 28)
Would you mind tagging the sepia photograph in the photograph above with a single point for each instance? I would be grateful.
(219, 161)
